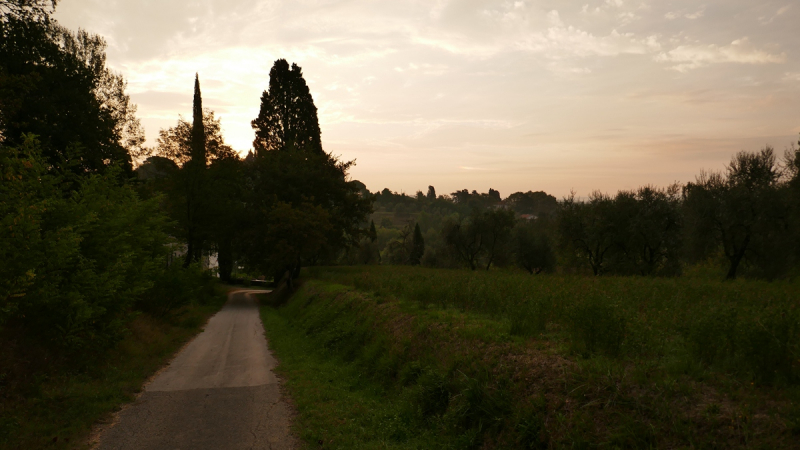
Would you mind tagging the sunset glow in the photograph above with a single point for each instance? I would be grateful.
(512, 95)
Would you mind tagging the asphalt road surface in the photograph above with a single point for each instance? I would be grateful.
(218, 393)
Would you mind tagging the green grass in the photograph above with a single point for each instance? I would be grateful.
(748, 327)
(341, 405)
(58, 405)
(457, 359)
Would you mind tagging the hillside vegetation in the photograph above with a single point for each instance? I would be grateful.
(440, 358)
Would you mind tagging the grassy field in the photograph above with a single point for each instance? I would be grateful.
(56, 406)
(425, 358)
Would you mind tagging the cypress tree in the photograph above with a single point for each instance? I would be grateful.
(198, 129)
(194, 171)
(373, 235)
(417, 246)
(287, 118)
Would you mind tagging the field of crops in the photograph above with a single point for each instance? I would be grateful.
(404, 357)
(750, 328)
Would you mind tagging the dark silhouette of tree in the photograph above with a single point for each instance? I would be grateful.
(226, 191)
(792, 194)
(198, 130)
(494, 196)
(586, 229)
(497, 226)
(533, 248)
(739, 211)
(54, 83)
(288, 117)
(417, 247)
(296, 178)
(431, 193)
(537, 203)
(36, 10)
(373, 234)
(649, 232)
(195, 196)
(479, 236)
(194, 181)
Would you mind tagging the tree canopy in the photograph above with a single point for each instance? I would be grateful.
(287, 118)
(54, 83)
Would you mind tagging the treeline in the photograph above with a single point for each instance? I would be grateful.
(88, 241)
(744, 219)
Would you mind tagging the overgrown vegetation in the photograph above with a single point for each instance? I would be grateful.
(505, 360)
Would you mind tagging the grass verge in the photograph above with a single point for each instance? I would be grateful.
(57, 404)
(374, 366)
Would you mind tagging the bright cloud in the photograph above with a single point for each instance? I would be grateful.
(739, 51)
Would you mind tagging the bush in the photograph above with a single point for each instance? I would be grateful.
(75, 252)
(177, 287)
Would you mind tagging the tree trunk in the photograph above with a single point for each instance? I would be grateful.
(225, 261)
(736, 259)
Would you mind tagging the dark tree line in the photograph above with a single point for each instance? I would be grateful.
(746, 217)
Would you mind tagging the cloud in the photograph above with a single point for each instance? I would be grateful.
(780, 12)
(791, 76)
(740, 51)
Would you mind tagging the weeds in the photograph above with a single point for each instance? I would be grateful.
(489, 361)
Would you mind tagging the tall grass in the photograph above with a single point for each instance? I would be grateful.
(749, 328)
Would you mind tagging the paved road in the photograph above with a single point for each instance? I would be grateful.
(218, 393)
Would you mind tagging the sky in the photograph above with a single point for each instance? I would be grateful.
(477, 94)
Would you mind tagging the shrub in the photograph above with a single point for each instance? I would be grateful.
(175, 288)
(75, 252)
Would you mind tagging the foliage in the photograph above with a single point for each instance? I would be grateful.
(54, 83)
(175, 143)
(74, 261)
(533, 247)
(417, 246)
(538, 203)
(287, 118)
(478, 238)
(309, 181)
(175, 288)
(741, 212)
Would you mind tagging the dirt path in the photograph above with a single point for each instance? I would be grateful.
(218, 393)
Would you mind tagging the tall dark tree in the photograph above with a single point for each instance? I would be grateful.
(198, 130)
(373, 235)
(288, 118)
(417, 247)
(431, 193)
(292, 176)
(194, 181)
